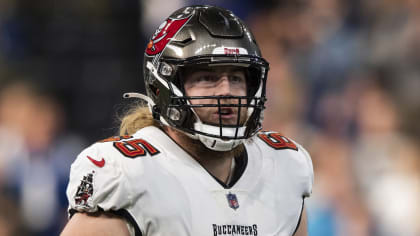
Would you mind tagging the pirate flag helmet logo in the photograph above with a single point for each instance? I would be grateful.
(164, 34)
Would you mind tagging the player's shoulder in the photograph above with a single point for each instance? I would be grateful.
(143, 146)
(94, 175)
(278, 146)
(102, 173)
(95, 156)
(100, 152)
(155, 141)
(276, 141)
(288, 155)
(128, 146)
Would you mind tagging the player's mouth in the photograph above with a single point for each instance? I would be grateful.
(225, 113)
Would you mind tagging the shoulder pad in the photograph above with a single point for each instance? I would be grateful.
(298, 158)
(97, 181)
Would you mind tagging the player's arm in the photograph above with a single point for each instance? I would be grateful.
(97, 185)
(103, 224)
(303, 226)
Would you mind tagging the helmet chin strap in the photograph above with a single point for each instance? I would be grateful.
(218, 144)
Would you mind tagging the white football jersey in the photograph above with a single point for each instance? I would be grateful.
(161, 190)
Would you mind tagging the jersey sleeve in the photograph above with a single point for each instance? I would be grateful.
(309, 170)
(97, 181)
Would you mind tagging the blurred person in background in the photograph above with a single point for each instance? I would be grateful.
(34, 157)
(13, 114)
(393, 39)
(15, 102)
(386, 163)
(9, 218)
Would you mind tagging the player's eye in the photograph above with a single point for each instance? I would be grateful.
(206, 78)
(237, 79)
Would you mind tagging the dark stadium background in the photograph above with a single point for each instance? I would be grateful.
(344, 82)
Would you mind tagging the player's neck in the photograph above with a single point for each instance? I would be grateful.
(219, 164)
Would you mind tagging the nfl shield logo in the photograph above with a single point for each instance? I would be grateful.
(232, 201)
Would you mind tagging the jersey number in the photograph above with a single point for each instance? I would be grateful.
(135, 148)
(132, 148)
(277, 141)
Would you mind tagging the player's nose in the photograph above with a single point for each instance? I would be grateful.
(223, 87)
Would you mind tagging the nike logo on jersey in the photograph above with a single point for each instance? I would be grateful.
(99, 164)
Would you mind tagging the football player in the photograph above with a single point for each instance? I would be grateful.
(194, 161)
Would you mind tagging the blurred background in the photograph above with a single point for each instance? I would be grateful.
(344, 82)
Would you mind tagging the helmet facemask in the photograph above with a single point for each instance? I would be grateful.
(182, 112)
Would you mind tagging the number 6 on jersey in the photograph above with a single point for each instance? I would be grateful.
(277, 141)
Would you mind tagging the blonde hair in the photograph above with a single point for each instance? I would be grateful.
(137, 117)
